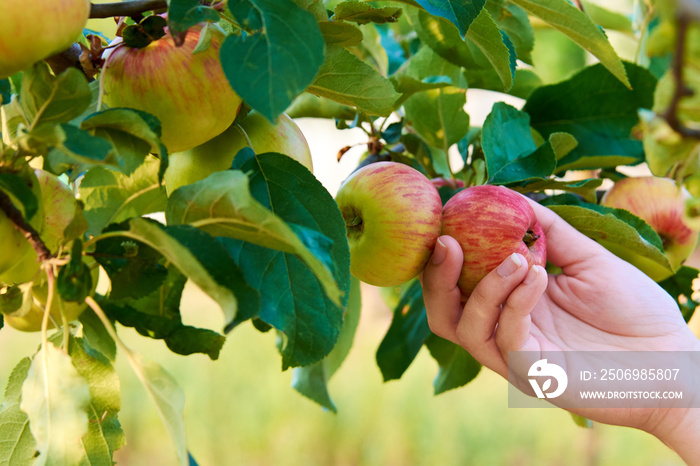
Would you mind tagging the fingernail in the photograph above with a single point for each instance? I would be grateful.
(532, 275)
(439, 253)
(509, 266)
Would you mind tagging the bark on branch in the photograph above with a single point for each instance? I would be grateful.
(680, 89)
(16, 217)
(135, 7)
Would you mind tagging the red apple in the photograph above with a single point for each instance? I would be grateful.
(188, 92)
(491, 223)
(392, 215)
(451, 182)
(661, 203)
(32, 31)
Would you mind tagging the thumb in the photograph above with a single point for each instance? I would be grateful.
(440, 292)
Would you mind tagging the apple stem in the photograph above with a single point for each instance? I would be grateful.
(530, 238)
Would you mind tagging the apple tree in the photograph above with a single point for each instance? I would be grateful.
(169, 154)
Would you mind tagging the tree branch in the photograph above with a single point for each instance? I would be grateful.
(26, 229)
(680, 90)
(130, 8)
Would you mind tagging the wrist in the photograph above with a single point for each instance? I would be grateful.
(679, 429)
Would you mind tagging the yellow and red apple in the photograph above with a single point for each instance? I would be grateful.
(188, 92)
(393, 217)
(491, 223)
(660, 203)
(254, 131)
(32, 31)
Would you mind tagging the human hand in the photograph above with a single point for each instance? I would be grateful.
(598, 303)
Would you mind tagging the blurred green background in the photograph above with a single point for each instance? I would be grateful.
(241, 410)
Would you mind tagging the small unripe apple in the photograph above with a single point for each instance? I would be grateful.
(661, 203)
(29, 320)
(32, 31)
(187, 91)
(491, 223)
(18, 260)
(392, 215)
(254, 131)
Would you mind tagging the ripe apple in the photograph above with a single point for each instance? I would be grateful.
(491, 223)
(452, 183)
(254, 131)
(660, 203)
(30, 32)
(392, 215)
(188, 92)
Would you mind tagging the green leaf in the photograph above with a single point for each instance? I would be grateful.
(157, 315)
(183, 14)
(293, 299)
(607, 19)
(17, 445)
(104, 435)
(5, 91)
(461, 13)
(495, 45)
(426, 70)
(598, 111)
(443, 37)
(340, 34)
(47, 98)
(180, 339)
(515, 23)
(21, 193)
(406, 335)
(516, 157)
(438, 116)
(584, 188)
(456, 366)
(351, 320)
(363, 13)
(680, 287)
(623, 234)
(222, 205)
(169, 399)
(311, 381)
(568, 19)
(348, 80)
(96, 334)
(133, 268)
(269, 67)
(55, 397)
(133, 135)
(82, 146)
(198, 256)
(112, 197)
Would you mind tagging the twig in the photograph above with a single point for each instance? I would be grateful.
(680, 90)
(15, 216)
(130, 8)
